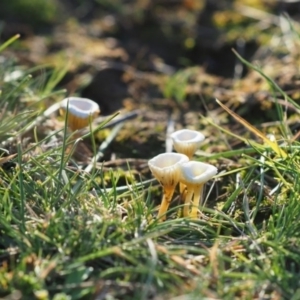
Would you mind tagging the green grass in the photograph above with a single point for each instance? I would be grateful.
(67, 234)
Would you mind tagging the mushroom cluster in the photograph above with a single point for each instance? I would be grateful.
(173, 168)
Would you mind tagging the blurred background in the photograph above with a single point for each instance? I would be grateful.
(123, 53)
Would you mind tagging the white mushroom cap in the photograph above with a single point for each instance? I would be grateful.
(80, 107)
(196, 173)
(187, 141)
(81, 111)
(165, 167)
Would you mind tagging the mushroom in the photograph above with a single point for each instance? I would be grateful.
(187, 141)
(80, 111)
(165, 168)
(194, 175)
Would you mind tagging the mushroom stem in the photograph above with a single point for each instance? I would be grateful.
(187, 201)
(165, 202)
(76, 123)
(182, 193)
(198, 191)
(181, 187)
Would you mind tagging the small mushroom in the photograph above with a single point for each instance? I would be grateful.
(194, 175)
(165, 168)
(187, 141)
(80, 111)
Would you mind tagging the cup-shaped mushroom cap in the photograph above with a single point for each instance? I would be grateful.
(81, 111)
(165, 167)
(187, 141)
(196, 173)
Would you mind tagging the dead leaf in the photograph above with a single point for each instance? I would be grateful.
(5, 159)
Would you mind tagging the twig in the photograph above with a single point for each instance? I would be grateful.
(258, 14)
(113, 122)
